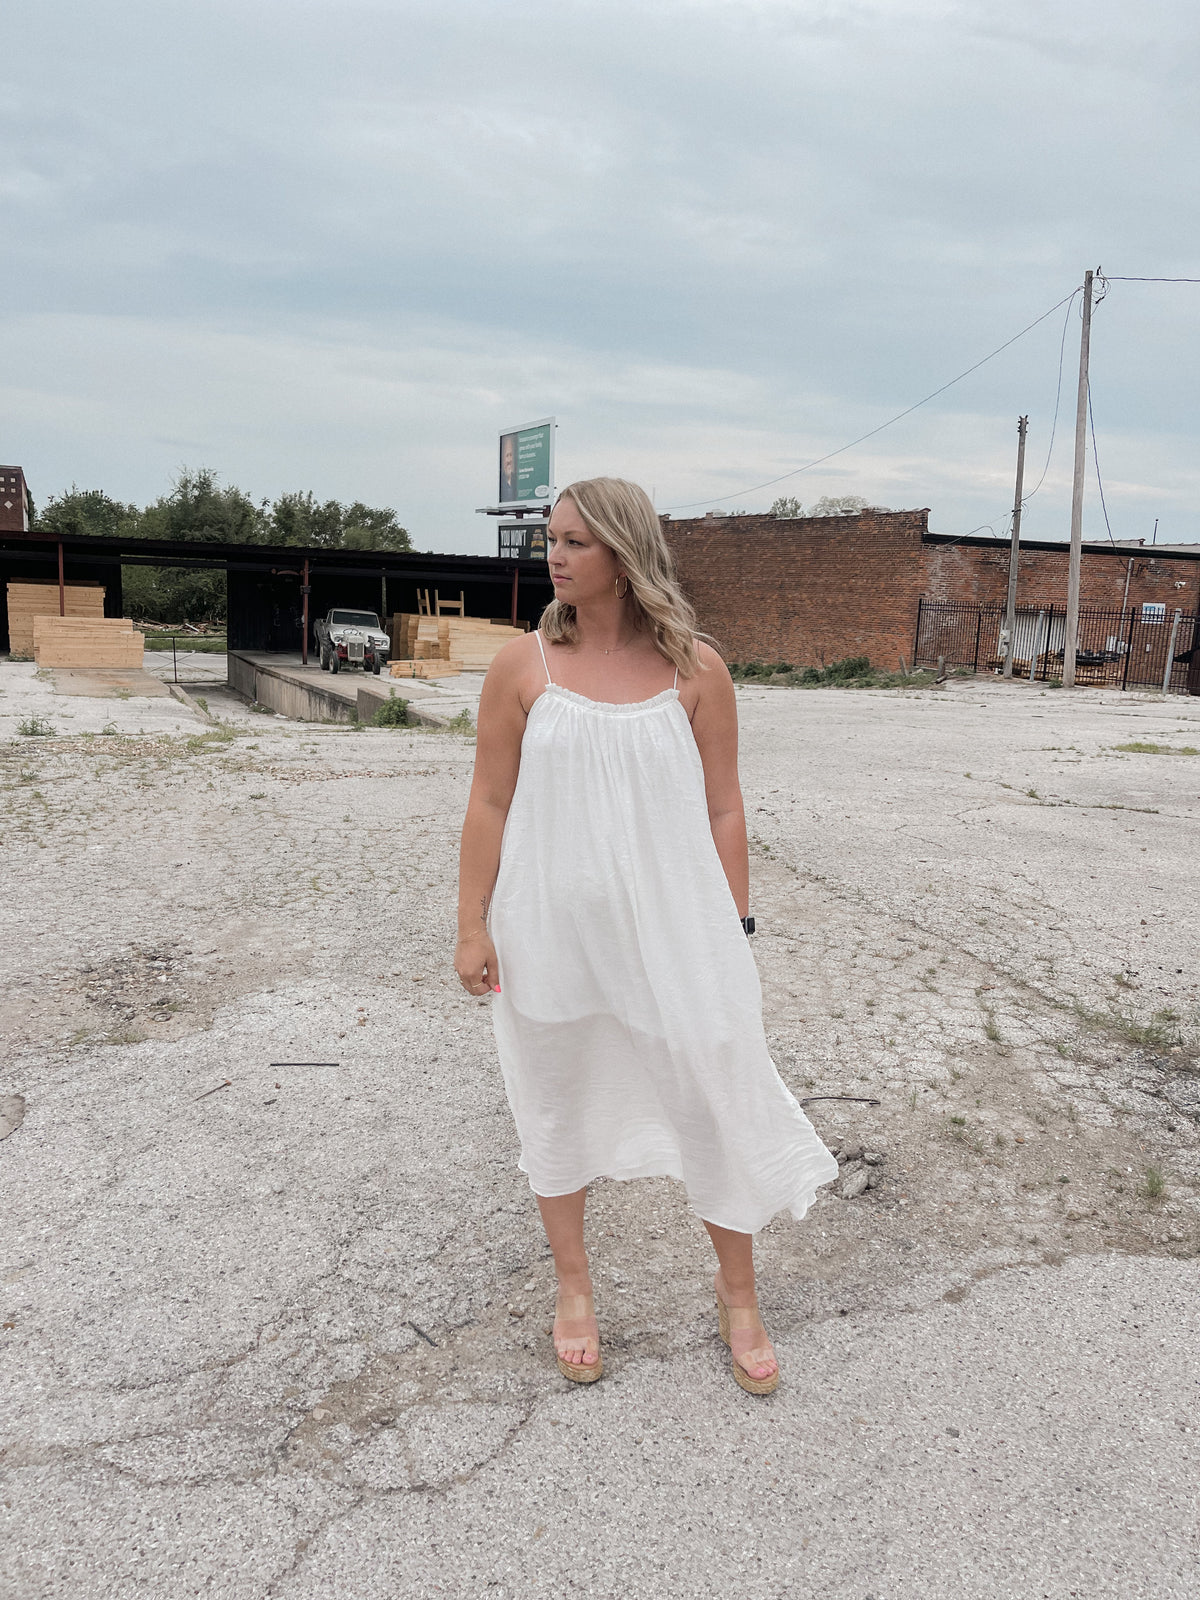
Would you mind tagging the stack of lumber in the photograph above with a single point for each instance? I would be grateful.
(86, 642)
(29, 600)
(428, 647)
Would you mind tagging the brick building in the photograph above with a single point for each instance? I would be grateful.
(14, 501)
(811, 590)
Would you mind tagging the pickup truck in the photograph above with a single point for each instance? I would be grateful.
(351, 639)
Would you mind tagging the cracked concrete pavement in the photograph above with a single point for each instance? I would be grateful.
(274, 1300)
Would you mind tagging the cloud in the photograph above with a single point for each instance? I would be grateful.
(344, 244)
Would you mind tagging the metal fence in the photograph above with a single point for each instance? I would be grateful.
(1127, 649)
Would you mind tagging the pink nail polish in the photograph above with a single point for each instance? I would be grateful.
(496, 986)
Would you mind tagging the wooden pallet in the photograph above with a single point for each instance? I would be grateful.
(29, 600)
(86, 642)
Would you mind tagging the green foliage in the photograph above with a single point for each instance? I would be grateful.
(297, 518)
(854, 672)
(829, 505)
(198, 506)
(87, 511)
(1145, 747)
(35, 728)
(172, 594)
(393, 713)
(786, 506)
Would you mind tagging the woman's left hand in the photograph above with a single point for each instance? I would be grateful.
(476, 965)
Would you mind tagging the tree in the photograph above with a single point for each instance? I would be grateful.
(839, 505)
(87, 511)
(787, 506)
(373, 528)
(198, 508)
(297, 518)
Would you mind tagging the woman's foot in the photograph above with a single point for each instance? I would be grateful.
(577, 1337)
(754, 1365)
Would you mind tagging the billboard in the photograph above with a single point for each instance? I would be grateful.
(525, 540)
(527, 464)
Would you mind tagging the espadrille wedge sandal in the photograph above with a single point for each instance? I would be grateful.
(577, 1308)
(732, 1319)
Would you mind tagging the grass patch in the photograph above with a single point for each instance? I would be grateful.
(1155, 1185)
(35, 728)
(1146, 747)
(853, 672)
(127, 1036)
(198, 743)
(1159, 1031)
(461, 723)
(208, 643)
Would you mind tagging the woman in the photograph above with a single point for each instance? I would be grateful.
(603, 886)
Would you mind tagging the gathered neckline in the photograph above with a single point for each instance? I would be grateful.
(663, 697)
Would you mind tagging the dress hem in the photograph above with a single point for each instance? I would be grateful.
(797, 1206)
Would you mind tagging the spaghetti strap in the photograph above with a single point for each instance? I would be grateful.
(675, 685)
(545, 663)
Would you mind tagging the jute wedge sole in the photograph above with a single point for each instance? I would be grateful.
(576, 1371)
(747, 1317)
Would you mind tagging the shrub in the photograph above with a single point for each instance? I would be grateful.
(393, 713)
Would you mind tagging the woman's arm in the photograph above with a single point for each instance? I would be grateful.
(714, 724)
(497, 761)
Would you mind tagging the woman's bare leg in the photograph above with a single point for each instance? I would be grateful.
(576, 1334)
(734, 1282)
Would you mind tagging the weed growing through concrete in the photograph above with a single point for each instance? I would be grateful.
(35, 728)
(991, 1029)
(393, 713)
(1146, 747)
(1155, 1186)
(1159, 1031)
(461, 723)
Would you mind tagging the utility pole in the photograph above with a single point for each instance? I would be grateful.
(1071, 635)
(1014, 553)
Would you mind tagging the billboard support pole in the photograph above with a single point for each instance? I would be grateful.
(516, 581)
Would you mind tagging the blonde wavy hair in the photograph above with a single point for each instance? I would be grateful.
(620, 515)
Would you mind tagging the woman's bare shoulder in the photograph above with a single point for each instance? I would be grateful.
(515, 666)
(713, 677)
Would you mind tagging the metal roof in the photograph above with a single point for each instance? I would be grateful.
(203, 553)
(1093, 547)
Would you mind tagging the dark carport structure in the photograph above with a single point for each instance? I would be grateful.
(276, 591)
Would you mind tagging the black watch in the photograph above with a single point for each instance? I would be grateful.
(748, 926)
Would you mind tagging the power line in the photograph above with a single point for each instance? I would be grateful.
(1096, 464)
(1057, 400)
(900, 415)
(1110, 278)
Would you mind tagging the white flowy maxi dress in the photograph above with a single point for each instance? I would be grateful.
(629, 1022)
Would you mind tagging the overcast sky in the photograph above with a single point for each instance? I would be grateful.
(340, 246)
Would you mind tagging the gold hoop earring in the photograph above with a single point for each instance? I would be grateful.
(617, 590)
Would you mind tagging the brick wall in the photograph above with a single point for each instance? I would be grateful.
(14, 505)
(804, 589)
(811, 590)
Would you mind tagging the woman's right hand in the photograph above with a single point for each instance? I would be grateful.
(476, 965)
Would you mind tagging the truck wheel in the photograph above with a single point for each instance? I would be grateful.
(324, 658)
(375, 669)
(334, 664)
